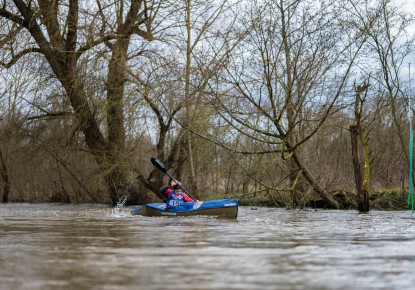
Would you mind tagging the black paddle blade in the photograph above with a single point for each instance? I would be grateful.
(157, 163)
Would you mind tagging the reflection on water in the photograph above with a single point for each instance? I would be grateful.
(51, 246)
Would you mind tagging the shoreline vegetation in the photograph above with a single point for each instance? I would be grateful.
(380, 199)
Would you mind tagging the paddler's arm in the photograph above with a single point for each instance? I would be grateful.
(186, 198)
(165, 190)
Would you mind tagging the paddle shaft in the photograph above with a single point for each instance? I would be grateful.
(162, 168)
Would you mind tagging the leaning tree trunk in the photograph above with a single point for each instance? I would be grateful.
(328, 199)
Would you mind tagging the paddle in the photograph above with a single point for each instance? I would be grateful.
(157, 163)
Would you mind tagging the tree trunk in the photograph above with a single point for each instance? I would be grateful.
(5, 177)
(356, 131)
(362, 182)
(116, 179)
(356, 163)
(364, 207)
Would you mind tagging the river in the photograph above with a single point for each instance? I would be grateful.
(55, 246)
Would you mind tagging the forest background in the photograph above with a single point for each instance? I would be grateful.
(286, 102)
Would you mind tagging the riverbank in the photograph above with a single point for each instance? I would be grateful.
(380, 199)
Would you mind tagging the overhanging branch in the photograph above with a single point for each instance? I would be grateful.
(18, 56)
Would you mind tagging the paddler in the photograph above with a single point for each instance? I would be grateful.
(174, 194)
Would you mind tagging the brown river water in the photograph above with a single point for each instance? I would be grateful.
(54, 246)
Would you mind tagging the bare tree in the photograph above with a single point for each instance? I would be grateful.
(175, 79)
(297, 67)
(62, 34)
(391, 45)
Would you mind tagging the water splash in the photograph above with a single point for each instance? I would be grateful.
(118, 210)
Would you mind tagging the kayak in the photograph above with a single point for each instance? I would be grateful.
(227, 208)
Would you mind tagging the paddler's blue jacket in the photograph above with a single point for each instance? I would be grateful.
(172, 199)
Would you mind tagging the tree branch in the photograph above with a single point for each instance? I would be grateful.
(12, 17)
(18, 56)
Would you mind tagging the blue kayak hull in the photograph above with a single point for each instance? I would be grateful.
(227, 208)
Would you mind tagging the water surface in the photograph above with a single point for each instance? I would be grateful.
(53, 246)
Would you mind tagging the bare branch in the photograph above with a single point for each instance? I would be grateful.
(18, 56)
